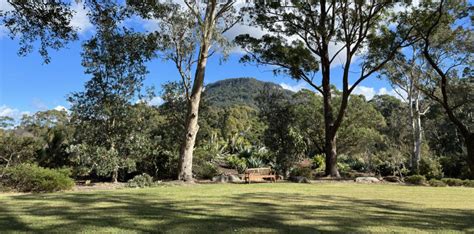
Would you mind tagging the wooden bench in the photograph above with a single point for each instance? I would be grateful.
(258, 174)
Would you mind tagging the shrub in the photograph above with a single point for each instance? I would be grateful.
(301, 171)
(354, 163)
(254, 162)
(453, 181)
(140, 181)
(319, 162)
(436, 183)
(415, 179)
(237, 163)
(32, 178)
(468, 183)
(205, 170)
(431, 168)
(343, 167)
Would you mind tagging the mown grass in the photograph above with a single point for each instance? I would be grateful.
(281, 207)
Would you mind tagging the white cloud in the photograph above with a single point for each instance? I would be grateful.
(294, 88)
(12, 112)
(156, 101)
(80, 20)
(61, 108)
(370, 92)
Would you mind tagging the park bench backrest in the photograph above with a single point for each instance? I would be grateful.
(259, 171)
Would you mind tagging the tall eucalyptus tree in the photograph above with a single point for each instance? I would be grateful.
(306, 40)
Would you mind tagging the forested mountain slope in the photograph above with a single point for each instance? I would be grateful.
(238, 91)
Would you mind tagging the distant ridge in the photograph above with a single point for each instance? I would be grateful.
(238, 91)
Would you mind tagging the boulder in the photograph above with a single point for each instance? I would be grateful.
(220, 179)
(367, 180)
(233, 179)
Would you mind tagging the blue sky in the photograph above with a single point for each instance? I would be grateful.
(27, 85)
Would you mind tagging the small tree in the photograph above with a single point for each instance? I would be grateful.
(108, 129)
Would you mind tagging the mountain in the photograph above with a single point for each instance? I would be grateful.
(238, 91)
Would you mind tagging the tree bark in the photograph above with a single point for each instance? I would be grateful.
(469, 139)
(192, 127)
(329, 126)
(331, 157)
(466, 134)
(418, 135)
(417, 131)
(115, 175)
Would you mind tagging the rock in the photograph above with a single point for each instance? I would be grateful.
(233, 179)
(394, 179)
(367, 180)
(300, 179)
(220, 179)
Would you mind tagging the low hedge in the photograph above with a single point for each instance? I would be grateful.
(436, 183)
(468, 183)
(32, 178)
(415, 179)
(453, 181)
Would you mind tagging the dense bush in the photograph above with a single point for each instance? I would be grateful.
(468, 183)
(431, 168)
(32, 178)
(303, 171)
(343, 167)
(436, 183)
(237, 163)
(415, 179)
(205, 170)
(354, 163)
(453, 181)
(319, 162)
(140, 181)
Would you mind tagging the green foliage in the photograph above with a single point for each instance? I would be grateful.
(415, 179)
(46, 22)
(431, 168)
(55, 132)
(238, 92)
(281, 137)
(140, 181)
(353, 162)
(32, 178)
(111, 132)
(468, 183)
(319, 162)
(302, 170)
(453, 181)
(205, 170)
(235, 162)
(17, 148)
(255, 162)
(436, 183)
(343, 167)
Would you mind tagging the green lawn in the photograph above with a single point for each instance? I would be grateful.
(281, 207)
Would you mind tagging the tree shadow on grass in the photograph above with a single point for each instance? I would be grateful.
(264, 212)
